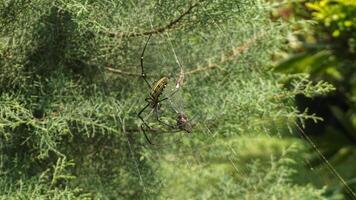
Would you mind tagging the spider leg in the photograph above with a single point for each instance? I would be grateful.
(143, 75)
(144, 133)
(162, 100)
(162, 122)
(168, 98)
(141, 111)
(144, 123)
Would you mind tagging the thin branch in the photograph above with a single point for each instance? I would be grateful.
(117, 71)
(201, 69)
(156, 30)
(153, 130)
(229, 56)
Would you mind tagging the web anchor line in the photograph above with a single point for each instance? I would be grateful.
(328, 164)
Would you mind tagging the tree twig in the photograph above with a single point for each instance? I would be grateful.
(155, 30)
(226, 57)
(117, 71)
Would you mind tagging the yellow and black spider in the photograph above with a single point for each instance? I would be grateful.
(154, 100)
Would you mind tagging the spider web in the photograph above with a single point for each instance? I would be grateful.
(195, 159)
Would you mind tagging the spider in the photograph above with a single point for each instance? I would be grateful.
(153, 101)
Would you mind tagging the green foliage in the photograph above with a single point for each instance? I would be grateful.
(337, 16)
(48, 185)
(71, 89)
(326, 51)
(218, 170)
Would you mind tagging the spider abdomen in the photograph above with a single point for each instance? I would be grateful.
(158, 88)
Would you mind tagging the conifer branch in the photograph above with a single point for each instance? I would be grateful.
(229, 56)
(172, 24)
(117, 71)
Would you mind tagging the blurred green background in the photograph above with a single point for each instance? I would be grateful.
(255, 71)
(324, 46)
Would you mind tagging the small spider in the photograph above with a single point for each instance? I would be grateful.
(183, 123)
(154, 100)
